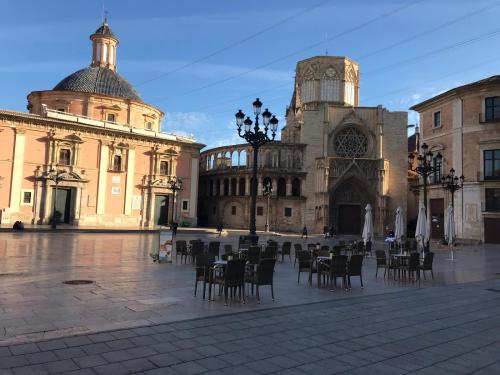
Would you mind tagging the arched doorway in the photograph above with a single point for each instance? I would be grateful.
(347, 202)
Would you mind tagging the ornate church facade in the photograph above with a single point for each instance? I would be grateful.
(90, 152)
(334, 158)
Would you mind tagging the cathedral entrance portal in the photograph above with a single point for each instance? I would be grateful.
(349, 219)
(347, 202)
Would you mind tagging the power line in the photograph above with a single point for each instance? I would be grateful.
(437, 51)
(237, 43)
(309, 47)
(441, 77)
(431, 30)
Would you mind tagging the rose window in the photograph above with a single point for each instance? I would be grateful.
(350, 143)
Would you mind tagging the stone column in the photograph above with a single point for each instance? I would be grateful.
(259, 185)
(17, 171)
(103, 175)
(288, 187)
(247, 185)
(129, 187)
(193, 194)
(275, 186)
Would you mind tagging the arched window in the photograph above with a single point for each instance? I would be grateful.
(265, 182)
(296, 187)
(233, 186)
(64, 156)
(330, 86)
(117, 163)
(281, 187)
(164, 167)
(243, 158)
(242, 186)
(217, 188)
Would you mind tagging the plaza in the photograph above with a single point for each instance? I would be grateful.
(141, 317)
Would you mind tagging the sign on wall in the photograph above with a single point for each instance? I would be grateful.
(115, 190)
(115, 179)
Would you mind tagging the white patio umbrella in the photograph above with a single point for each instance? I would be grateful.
(449, 228)
(422, 230)
(368, 227)
(399, 227)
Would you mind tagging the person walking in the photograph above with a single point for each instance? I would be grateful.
(219, 228)
(304, 232)
(174, 227)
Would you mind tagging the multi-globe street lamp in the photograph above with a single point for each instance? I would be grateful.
(267, 192)
(256, 137)
(174, 184)
(425, 168)
(452, 183)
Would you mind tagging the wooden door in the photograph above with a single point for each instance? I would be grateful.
(491, 230)
(63, 204)
(349, 220)
(161, 210)
(437, 218)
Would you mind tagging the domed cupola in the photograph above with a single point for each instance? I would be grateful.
(104, 44)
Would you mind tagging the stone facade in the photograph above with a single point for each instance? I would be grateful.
(94, 159)
(463, 124)
(347, 155)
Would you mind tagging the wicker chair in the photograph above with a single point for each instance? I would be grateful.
(339, 269)
(427, 263)
(286, 249)
(197, 248)
(355, 268)
(213, 248)
(232, 278)
(204, 263)
(181, 249)
(263, 276)
(297, 248)
(381, 261)
(306, 264)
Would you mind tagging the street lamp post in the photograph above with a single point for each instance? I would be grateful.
(174, 184)
(256, 138)
(452, 184)
(425, 167)
(268, 190)
(56, 177)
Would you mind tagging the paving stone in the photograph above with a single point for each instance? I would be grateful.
(263, 366)
(41, 357)
(212, 363)
(101, 337)
(69, 353)
(112, 369)
(30, 370)
(51, 345)
(24, 349)
(164, 359)
(141, 351)
(56, 367)
(187, 355)
(120, 344)
(139, 364)
(13, 361)
(116, 356)
(95, 348)
(189, 368)
(90, 361)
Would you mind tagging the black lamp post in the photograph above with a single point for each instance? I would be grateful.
(425, 167)
(452, 183)
(56, 177)
(267, 192)
(174, 184)
(256, 138)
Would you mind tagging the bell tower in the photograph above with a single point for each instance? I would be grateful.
(104, 44)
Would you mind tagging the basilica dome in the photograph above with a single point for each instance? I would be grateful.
(98, 80)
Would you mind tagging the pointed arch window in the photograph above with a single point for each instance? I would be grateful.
(330, 86)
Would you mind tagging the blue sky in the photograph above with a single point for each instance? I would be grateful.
(247, 49)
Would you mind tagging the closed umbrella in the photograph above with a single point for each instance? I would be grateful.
(368, 227)
(449, 228)
(399, 227)
(422, 231)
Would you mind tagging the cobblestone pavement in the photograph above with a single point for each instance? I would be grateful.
(141, 316)
(453, 329)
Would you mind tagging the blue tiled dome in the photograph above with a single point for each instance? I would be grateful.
(98, 80)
